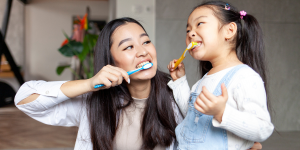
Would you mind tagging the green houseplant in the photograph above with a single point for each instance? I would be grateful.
(80, 47)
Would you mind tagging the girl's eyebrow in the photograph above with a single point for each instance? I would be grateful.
(196, 19)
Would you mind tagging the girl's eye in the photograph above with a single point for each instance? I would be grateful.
(200, 23)
(187, 31)
(128, 47)
(147, 42)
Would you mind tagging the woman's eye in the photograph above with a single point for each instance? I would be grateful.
(128, 47)
(147, 42)
(187, 31)
(200, 23)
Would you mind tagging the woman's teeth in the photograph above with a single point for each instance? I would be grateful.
(142, 64)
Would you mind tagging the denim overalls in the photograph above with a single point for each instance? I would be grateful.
(196, 131)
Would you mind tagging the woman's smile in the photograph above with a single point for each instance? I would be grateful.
(132, 49)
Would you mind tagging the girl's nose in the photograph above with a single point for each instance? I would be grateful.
(141, 52)
(192, 34)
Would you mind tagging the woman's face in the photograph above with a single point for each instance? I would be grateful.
(130, 48)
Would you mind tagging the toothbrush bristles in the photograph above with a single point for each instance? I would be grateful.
(141, 64)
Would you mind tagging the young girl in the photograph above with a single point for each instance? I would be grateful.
(230, 52)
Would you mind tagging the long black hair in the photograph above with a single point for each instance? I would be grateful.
(103, 106)
(248, 42)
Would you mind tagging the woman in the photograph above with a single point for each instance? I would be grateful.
(137, 114)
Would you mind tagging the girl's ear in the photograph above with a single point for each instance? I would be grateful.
(230, 30)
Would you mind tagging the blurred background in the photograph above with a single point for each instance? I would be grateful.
(33, 33)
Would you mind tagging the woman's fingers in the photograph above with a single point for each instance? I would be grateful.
(107, 83)
(110, 76)
(120, 73)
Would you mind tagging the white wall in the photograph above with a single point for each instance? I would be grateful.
(44, 23)
(141, 10)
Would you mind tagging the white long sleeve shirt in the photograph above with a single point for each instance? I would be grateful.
(246, 117)
(52, 107)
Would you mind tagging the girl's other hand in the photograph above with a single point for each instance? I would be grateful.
(256, 146)
(178, 72)
(110, 76)
(209, 104)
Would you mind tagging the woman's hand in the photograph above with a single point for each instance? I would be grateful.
(256, 146)
(209, 104)
(110, 76)
(178, 72)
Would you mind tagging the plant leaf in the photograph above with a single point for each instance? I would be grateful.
(89, 43)
(66, 36)
(71, 49)
(60, 69)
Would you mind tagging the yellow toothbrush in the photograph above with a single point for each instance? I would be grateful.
(189, 47)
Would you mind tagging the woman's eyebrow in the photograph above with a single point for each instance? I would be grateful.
(125, 40)
(128, 39)
(143, 34)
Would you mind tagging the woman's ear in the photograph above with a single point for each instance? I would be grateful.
(230, 30)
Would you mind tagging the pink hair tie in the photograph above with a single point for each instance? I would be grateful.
(243, 13)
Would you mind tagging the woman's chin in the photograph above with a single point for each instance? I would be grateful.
(144, 75)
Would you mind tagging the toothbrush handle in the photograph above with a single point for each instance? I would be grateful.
(98, 85)
(129, 73)
(180, 59)
(178, 62)
(134, 71)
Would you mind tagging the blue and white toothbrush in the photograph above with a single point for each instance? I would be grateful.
(146, 66)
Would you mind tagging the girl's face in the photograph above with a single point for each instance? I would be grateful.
(204, 28)
(130, 48)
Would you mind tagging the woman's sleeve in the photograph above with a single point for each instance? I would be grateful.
(252, 120)
(181, 93)
(52, 107)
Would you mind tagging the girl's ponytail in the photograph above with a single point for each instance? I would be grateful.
(251, 50)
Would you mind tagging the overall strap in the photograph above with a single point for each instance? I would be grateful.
(226, 79)
(199, 84)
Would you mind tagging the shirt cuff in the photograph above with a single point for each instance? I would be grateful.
(50, 88)
(225, 118)
(173, 84)
(50, 95)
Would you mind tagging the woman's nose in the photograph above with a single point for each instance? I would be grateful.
(141, 51)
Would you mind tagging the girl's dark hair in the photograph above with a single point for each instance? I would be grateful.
(248, 42)
(103, 107)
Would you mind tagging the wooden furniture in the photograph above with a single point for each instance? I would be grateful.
(5, 70)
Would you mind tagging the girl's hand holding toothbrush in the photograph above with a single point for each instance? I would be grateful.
(209, 104)
(110, 76)
(178, 72)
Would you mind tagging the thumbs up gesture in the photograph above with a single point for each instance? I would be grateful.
(209, 104)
